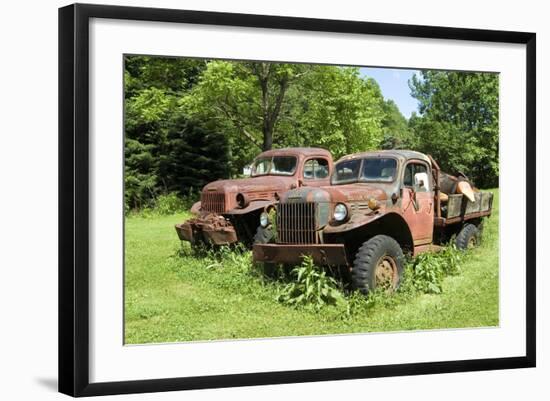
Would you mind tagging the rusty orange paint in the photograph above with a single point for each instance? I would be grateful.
(221, 199)
(305, 224)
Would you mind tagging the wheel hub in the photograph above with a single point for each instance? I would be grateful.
(386, 273)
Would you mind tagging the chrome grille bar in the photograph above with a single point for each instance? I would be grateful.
(213, 202)
(296, 223)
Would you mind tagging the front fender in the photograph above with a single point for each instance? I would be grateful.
(356, 220)
(253, 206)
(196, 208)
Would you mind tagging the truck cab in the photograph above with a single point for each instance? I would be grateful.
(380, 205)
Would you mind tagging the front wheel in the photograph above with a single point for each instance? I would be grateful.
(266, 236)
(378, 264)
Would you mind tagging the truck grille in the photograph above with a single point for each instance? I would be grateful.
(296, 223)
(213, 202)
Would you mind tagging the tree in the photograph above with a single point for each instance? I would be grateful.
(164, 151)
(459, 121)
(342, 111)
(191, 156)
(246, 96)
(395, 127)
(140, 179)
(261, 105)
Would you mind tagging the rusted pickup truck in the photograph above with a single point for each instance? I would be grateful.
(379, 206)
(229, 209)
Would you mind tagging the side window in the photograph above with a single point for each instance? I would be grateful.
(316, 169)
(411, 170)
(407, 180)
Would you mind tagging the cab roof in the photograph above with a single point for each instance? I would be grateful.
(296, 151)
(399, 154)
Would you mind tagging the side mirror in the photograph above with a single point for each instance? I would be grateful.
(421, 181)
(300, 183)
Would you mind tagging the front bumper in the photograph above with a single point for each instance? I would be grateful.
(322, 254)
(211, 228)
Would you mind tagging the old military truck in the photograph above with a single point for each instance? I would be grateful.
(229, 210)
(379, 206)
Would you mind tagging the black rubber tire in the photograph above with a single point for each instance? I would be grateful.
(367, 259)
(264, 235)
(467, 234)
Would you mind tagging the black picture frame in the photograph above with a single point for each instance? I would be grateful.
(74, 198)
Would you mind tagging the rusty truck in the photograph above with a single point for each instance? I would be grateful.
(228, 210)
(380, 205)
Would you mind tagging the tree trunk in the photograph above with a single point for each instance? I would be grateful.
(267, 130)
(268, 138)
(270, 112)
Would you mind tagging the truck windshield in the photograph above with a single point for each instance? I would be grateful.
(276, 165)
(364, 170)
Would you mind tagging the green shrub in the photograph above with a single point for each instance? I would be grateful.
(310, 287)
(168, 204)
(357, 304)
(235, 257)
(452, 258)
(429, 269)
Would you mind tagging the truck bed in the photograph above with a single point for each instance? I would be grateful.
(459, 208)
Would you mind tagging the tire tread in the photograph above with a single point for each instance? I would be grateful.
(367, 256)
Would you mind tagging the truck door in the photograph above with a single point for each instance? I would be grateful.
(418, 201)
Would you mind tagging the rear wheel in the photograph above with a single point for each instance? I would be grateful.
(468, 237)
(378, 264)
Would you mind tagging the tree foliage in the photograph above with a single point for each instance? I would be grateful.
(458, 122)
(165, 151)
(341, 110)
(188, 122)
(261, 105)
(395, 127)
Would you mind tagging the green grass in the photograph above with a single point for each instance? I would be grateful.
(172, 294)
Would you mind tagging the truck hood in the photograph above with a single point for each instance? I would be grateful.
(254, 184)
(355, 193)
(337, 193)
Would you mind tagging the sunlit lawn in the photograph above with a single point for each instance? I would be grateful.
(172, 295)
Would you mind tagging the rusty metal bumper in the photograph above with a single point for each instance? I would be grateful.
(322, 254)
(211, 228)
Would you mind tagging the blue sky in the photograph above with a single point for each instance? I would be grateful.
(394, 86)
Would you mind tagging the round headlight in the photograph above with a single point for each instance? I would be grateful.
(242, 200)
(264, 219)
(340, 212)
